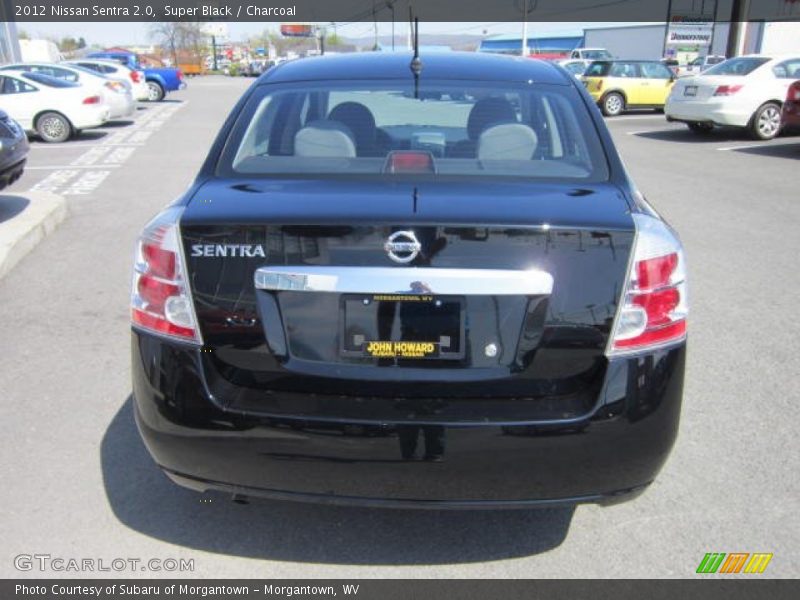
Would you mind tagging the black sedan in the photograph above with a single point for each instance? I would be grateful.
(371, 297)
(13, 150)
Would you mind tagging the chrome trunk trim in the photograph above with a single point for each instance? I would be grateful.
(408, 280)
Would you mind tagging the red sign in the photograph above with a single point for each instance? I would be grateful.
(297, 30)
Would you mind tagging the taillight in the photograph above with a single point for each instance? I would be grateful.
(180, 75)
(727, 90)
(136, 77)
(92, 100)
(655, 303)
(161, 301)
(794, 93)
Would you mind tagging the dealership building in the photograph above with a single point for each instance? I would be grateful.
(681, 40)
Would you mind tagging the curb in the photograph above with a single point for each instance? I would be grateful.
(21, 233)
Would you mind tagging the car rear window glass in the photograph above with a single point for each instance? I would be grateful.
(655, 70)
(737, 66)
(49, 81)
(596, 54)
(57, 72)
(598, 69)
(788, 69)
(444, 129)
(622, 69)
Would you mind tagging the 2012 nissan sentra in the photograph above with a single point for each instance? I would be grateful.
(401, 283)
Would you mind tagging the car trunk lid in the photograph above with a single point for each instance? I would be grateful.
(530, 277)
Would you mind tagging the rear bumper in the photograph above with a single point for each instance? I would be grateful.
(121, 105)
(606, 457)
(10, 173)
(89, 116)
(708, 112)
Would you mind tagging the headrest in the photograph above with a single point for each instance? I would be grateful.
(325, 139)
(487, 111)
(507, 141)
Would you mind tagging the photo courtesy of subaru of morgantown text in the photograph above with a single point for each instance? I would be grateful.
(343, 291)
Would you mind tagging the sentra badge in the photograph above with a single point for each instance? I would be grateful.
(225, 250)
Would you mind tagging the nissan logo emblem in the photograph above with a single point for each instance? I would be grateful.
(402, 247)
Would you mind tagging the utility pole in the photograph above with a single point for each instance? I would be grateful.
(526, 7)
(736, 30)
(666, 29)
(214, 51)
(391, 7)
(525, 29)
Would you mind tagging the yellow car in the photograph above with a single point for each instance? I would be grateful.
(617, 85)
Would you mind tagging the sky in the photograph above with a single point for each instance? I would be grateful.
(111, 34)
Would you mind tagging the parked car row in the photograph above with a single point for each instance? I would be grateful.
(55, 101)
(52, 108)
(754, 92)
(159, 81)
(117, 93)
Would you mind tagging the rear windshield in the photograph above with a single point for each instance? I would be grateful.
(49, 81)
(737, 66)
(596, 54)
(598, 69)
(445, 129)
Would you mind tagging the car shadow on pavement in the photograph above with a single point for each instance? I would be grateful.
(144, 499)
(790, 150)
(11, 206)
(117, 123)
(89, 135)
(715, 136)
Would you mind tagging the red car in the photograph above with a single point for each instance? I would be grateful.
(791, 108)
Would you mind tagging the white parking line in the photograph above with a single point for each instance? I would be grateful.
(82, 177)
(73, 146)
(87, 183)
(62, 167)
(746, 146)
(625, 118)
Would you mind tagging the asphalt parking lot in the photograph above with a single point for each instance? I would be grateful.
(77, 481)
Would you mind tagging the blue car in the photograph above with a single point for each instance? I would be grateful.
(411, 284)
(160, 80)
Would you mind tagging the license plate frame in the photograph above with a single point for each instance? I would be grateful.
(411, 330)
(690, 91)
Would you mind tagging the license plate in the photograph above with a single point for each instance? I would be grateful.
(690, 90)
(400, 326)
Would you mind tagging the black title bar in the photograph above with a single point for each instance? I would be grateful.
(346, 11)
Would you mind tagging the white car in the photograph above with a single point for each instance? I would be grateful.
(115, 70)
(747, 91)
(576, 67)
(699, 64)
(591, 54)
(52, 108)
(117, 94)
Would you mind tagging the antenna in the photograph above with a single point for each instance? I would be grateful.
(416, 62)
